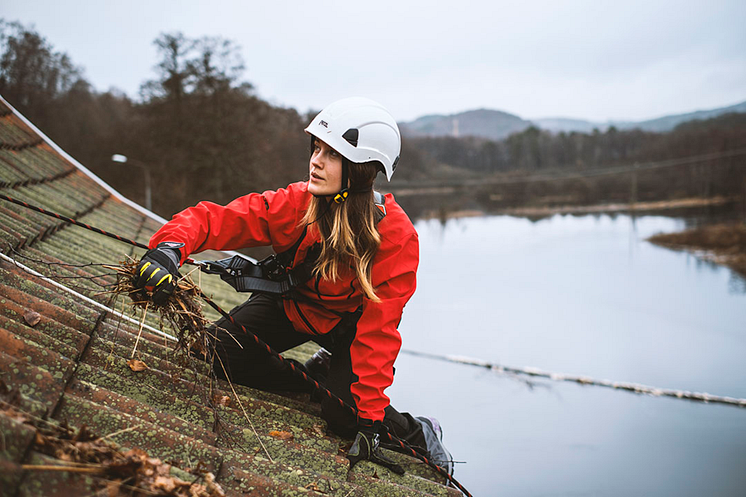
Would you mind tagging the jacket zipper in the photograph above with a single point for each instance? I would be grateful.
(303, 317)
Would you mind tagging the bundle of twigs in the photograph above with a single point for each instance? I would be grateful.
(182, 310)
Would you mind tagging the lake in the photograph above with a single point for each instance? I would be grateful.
(581, 295)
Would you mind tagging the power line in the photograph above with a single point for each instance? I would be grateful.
(583, 380)
(562, 175)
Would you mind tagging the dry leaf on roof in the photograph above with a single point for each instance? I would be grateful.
(221, 400)
(213, 487)
(136, 365)
(281, 435)
(112, 488)
(32, 318)
(313, 486)
(319, 430)
(165, 483)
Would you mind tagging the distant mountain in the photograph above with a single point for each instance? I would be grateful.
(667, 123)
(497, 125)
(660, 124)
(484, 123)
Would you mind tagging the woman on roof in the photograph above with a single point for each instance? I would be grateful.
(361, 252)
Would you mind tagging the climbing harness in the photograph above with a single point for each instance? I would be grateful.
(400, 444)
(274, 275)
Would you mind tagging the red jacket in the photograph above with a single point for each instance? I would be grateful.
(274, 218)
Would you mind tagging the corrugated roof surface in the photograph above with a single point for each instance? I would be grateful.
(71, 366)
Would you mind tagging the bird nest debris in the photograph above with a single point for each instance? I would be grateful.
(182, 310)
(118, 473)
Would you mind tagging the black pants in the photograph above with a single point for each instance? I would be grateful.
(250, 365)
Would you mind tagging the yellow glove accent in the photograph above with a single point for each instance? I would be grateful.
(144, 267)
(152, 275)
(167, 277)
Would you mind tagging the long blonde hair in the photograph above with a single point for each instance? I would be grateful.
(348, 230)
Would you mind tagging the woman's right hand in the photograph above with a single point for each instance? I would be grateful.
(158, 271)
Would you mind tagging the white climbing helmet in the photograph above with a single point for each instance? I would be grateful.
(360, 129)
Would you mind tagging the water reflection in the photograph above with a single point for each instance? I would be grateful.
(456, 204)
(584, 295)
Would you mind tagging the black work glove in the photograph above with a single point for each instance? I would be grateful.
(366, 447)
(158, 270)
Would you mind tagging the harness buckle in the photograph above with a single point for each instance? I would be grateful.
(220, 267)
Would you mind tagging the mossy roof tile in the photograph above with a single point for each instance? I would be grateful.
(53, 483)
(73, 362)
(31, 381)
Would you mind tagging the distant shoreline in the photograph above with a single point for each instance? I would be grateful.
(544, 211)
(719, 243)
(626, 207)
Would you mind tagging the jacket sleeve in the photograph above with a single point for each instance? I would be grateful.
(377, 340)
(256, 219)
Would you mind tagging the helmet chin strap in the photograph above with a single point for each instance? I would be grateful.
(345, 191)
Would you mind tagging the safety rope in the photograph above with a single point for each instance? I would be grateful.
(305, 377)
(323, 390)
(584, 380)
(83, 297)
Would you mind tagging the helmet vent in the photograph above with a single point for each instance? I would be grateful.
(351, 136)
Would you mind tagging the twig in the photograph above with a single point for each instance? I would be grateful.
(71, 469)
(196, 268)
(187, 313)
(139, 333)
(125, 430)
(230, 383)
(231, 335)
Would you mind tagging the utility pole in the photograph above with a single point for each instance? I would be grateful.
(633, 188)
(122, 159)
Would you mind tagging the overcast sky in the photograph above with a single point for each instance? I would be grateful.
(595, 60)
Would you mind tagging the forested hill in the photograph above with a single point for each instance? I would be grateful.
(497, 125)
(535, 150)
(668, 123)
(659, 124)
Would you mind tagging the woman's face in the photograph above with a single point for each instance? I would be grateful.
(325, 170)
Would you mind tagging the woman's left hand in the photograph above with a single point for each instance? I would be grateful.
(367, 447)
